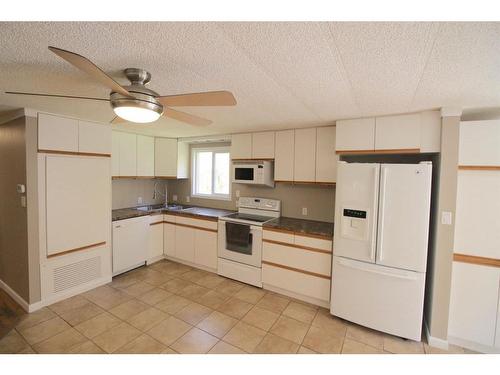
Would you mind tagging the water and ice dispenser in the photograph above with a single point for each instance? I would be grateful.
(354, 224)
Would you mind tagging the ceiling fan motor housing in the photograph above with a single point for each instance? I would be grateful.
(142, 96)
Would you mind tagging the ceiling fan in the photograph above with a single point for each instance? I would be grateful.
(137, 103)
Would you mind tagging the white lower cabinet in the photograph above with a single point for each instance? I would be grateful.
(474, 306)
(184, 243)
(155, 238)
(129, 237)
(205, 248)
(169, 239)
(297, 265)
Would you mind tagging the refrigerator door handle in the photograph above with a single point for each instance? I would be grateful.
(374, 243)
(399, 275)
(381, 204)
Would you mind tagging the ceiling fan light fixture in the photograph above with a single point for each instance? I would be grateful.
(137, 114)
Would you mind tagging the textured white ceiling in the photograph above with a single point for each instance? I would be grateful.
(283, 75)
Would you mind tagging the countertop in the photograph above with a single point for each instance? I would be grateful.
(319, 229)
(188, 211)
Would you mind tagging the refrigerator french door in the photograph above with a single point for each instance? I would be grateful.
(380, 245)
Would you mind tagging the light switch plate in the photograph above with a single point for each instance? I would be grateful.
(139, 200)
(446, 218)
(188, 199)
(304, 211)
(174, 197)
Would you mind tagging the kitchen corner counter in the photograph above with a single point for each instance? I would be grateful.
(311, 228)
(194, 212)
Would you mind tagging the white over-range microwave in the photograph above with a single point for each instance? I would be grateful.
(255, 173)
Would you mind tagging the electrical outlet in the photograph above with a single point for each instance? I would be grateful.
(139, 200)
(174, 198)
(304, 211)
(188, 198)
(23, 200)
(237, 193)
(446, 218)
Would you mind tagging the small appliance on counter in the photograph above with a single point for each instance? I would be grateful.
(380, 245)
(240, 239)
(254, 172)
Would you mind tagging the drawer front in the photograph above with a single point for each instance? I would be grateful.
(316, 243)
(199, 223)
(278, 236)
(298, 258)
(170, 218)
(296, 282)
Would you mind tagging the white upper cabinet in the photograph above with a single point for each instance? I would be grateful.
(57, 133)
(263, 145)
(479, 143)
(145, 156)
(171, 158)
(166, 157)
(241, 146)
(94, 138)
(355, 135)
(115, 154)
(326, 158)
(284, 155)
(305, 155)
(398, 132)
(128, 154)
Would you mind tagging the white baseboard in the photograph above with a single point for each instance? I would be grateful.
(434, 341)
(473, 345)
(208, 269)
(73, 292)
(313, 301)
(155, 259)
(16, 297)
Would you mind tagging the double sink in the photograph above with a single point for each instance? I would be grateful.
(160, 207)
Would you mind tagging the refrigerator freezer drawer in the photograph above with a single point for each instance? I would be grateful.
(382, 298)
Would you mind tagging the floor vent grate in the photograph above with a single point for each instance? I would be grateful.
(78, 273)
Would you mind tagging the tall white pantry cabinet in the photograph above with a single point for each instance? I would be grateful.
(74, 203)
(474, 318)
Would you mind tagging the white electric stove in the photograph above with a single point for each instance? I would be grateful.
(240, 239)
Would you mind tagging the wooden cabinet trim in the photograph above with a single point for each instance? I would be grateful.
(158, 222)
(328, 277)
(386, 151)
(300, 234)
(473, 259)
(77, 249)
(186, 226)
(479, 167)
(74, 153)
(307, 248)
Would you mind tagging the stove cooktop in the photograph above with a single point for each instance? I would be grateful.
(249, 217)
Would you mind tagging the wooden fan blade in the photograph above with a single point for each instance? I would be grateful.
(185, 117)
(55, 95)
(212, 98)
(117, 120)
(90, 68)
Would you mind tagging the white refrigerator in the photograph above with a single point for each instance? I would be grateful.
(380, 245)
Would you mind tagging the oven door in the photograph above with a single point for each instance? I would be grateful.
(249, 252)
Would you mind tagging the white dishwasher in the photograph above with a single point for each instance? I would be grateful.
(130, 237)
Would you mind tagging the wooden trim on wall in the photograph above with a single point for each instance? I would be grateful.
(252, 159)
(307, 248)
(158, 222)
(473, 259)
(59, 152)
(479, 167)
(328, 277)
(385, 151)
(77, 249)
(300, 234)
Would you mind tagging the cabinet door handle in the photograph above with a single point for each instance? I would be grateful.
(118, 226)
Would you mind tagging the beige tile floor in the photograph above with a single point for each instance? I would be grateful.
(172, 308)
